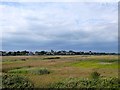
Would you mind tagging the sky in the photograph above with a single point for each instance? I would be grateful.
(79, 26)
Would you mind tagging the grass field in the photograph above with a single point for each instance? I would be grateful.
(46, 70)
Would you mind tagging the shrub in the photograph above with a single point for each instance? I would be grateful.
(0, 81)
(112, 83)
(15, 81)
(52, 58)
(95, 75)
(40, 71)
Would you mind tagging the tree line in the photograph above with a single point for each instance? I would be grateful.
(52, 52)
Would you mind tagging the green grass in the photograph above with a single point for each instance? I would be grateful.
(39, 71)
(19, 71)
(109, 60)
(96, 64)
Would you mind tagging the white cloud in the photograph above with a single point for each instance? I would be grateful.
(50, 22)
(60, 0)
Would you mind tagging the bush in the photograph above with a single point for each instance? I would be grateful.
(15, 81)
(52, 58)
(95, 75)
(112, 83)
(0, 82)
(40, 71)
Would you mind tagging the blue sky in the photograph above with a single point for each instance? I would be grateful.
(81, 26)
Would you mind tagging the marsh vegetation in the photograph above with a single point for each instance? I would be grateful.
(66, 71)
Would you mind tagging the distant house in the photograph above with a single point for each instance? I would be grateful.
(30, 53)
(48, 53)
(3, 53)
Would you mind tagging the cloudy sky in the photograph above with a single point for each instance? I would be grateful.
(80, 26)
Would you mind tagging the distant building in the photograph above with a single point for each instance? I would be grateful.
(30, 53)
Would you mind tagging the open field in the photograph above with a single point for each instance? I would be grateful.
(59, 68)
